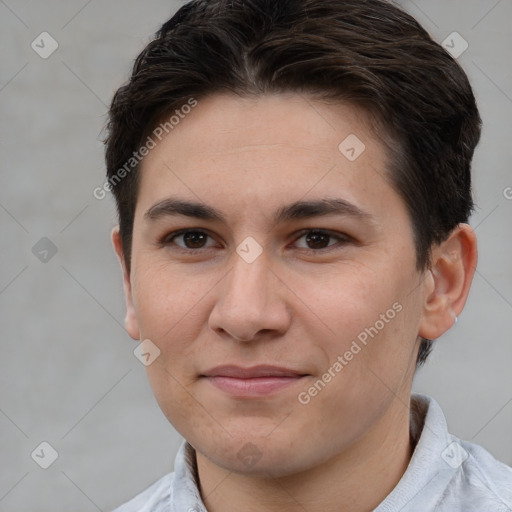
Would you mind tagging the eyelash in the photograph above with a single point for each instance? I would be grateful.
(167, 240)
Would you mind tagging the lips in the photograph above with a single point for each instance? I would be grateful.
(255, 381)
(252, 372)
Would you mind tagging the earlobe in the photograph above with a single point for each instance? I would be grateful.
(130, 320)
(448, 281)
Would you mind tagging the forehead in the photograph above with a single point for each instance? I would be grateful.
(261, 151)
(222, 123)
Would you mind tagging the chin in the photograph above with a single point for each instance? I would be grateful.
(265, 456)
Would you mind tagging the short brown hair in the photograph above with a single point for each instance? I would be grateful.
(369, 53)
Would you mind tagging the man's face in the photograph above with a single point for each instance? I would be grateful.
(349, 294)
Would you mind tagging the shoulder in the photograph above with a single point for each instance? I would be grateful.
(447, 474)
(484, 478)
(470, 478)
(175, 492)
(475, 480)
(156, 498)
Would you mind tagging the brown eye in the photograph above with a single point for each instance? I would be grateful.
(316, 240)
(191, 239)
(194, 239)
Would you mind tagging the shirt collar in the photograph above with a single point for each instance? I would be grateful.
(185, 495)
(428, 472)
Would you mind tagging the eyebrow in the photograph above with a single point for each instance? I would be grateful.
(295, 211)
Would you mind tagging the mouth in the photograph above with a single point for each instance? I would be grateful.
(255, 381)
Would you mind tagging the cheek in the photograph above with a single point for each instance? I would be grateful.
(167, 300)
(372, 318)
(368, 366)
(351, 299)
(170, 312)
(176, 399)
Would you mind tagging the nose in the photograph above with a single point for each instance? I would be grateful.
(251, 302)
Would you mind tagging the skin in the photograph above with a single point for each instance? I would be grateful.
(289, 307)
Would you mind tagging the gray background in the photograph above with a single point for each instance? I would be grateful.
(67, 372)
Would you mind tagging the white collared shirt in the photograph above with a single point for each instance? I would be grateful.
(444, 474)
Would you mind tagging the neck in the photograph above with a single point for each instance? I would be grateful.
(357, 479)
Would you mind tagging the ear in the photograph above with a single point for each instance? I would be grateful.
(448, 281)
(130, 320)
